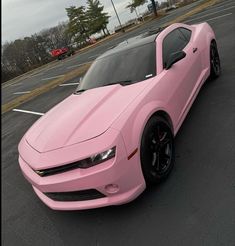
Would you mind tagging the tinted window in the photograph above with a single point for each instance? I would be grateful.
(186, 33)
(133, 65)
(173, 42)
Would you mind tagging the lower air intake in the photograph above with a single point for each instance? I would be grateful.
(71, 196)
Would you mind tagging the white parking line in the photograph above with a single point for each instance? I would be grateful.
(21, 92)
(27, 112)
(55, 77)
(69, 84)
(218, 17)
(77, 65)
(90, 57)
(215, 18)
(200, 17)
(224, 4)
(215, 8)
(56, 66)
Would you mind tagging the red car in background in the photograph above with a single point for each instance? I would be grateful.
(62, 53)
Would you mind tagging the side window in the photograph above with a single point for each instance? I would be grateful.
(186, 33)
(175, 41)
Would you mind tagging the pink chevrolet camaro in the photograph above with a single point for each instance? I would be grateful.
(115, 134)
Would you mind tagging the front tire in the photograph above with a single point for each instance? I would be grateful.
(157, 151)
(214, 61)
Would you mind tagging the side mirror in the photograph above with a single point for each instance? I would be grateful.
(175, 57)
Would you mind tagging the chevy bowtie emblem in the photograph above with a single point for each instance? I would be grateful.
(39, 172)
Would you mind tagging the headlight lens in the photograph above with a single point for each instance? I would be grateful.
(86, 163)
(97, 158)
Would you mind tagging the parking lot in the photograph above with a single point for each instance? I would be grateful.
(195, 206)
(58, 69)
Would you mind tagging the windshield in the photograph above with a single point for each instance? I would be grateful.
(124, 67)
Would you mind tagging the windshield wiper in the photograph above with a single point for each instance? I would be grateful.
(79, 91)
(121, 82)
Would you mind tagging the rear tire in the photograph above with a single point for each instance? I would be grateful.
(157, 151)
(215, 68)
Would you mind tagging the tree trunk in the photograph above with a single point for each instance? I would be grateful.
(107, 30)
(154, 7)
(104, 32)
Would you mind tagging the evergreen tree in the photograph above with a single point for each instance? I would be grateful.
(98, 20)
(78, 25)
(136, 3)
(132, 6)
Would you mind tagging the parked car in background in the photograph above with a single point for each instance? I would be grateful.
(172, 7)
(62, 52)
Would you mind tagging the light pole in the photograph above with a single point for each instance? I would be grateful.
(117, 16)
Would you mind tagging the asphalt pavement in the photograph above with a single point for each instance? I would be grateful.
(196, 204)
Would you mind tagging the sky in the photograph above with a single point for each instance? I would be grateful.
(22, 18)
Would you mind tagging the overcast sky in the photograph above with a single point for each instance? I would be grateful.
(22, 18)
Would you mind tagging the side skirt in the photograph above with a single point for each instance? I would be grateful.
(204, 75)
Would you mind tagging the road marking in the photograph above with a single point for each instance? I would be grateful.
(55, 77)
(222, 4)
(37, 74)
(219, 17)
(94, 56)
(16, 84)
(69, 84)
(21, 92)
(56, 66)
(215, 8)
(77, 65)
(26, 111)
(209, 14)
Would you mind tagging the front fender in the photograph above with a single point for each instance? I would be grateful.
(131, 127)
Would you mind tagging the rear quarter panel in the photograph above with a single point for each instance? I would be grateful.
(203, 35)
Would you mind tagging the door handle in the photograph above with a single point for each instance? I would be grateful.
(194, 50)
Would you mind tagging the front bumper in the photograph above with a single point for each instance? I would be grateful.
(123, 174)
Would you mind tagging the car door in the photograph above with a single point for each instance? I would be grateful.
(183, 75)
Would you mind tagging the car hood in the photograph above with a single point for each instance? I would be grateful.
(81, 117)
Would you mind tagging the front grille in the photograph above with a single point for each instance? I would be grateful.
(71, 196)
(56, 170)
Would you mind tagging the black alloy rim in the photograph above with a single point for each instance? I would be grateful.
(160, 150)
(215, 61)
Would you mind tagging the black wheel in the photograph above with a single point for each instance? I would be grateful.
(157, 150)
(214, 61)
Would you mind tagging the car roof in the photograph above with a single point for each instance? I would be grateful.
(142, 39)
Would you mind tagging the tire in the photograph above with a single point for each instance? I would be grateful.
(215, 68)
(157, 153)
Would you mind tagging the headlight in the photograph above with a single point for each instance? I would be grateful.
(86, 163)
(97, 158)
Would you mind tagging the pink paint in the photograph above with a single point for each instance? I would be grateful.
(115, 115)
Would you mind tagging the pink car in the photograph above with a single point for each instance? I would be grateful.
(115, 135)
